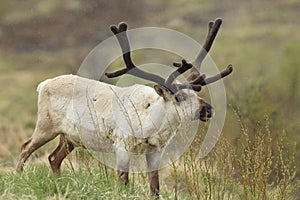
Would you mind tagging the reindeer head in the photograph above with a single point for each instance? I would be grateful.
(182, 96)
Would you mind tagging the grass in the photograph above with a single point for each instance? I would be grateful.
(250, 171)
(39, 183)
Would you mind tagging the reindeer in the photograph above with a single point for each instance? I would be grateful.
(178, 103)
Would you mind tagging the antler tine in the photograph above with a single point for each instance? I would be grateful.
(199, 80)
(121, 35)
(213, 28)
(219, 76)
(176, 64)
(184, 66)
(195, 77)
(124, 43)
(202, 80)
(210, 25)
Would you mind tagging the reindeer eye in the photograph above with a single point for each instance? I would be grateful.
(177, 98)
(147, 105)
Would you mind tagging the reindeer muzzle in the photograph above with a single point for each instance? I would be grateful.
(205, 113)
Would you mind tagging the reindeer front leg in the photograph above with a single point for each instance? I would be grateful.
(153, 162)
(122, 164)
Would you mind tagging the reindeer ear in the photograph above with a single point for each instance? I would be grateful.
(161, 91)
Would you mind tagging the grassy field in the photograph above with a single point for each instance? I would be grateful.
(255, 173)
(258, 154)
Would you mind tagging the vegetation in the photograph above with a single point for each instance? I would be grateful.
(257, 156)
(256, 172)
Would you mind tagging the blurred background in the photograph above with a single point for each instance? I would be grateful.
(40, 39)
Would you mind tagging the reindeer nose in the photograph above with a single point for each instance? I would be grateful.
(205, 113)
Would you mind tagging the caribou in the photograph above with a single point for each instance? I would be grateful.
(168, 103)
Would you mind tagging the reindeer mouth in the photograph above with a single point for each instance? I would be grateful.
(205, 113)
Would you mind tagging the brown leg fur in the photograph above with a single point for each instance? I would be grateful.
(122, 164)
(64, 148)
(153, 162)
(123, 176)
(154, 182)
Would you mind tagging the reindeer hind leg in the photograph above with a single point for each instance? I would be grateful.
(29, 147)
(63, 149)
(38, 139)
